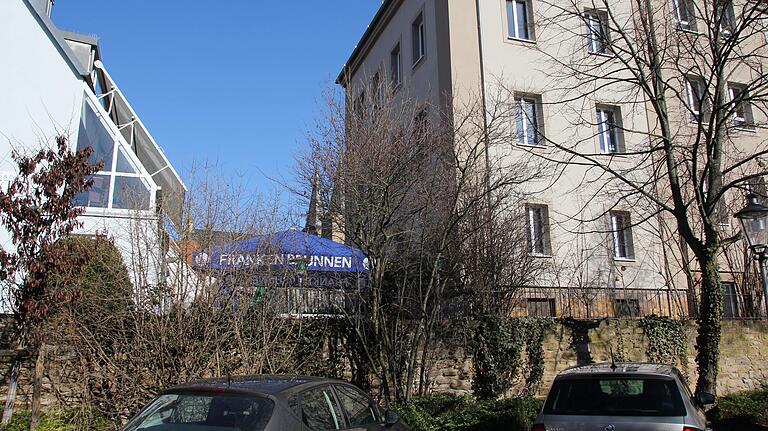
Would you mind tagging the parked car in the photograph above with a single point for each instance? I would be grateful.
(264, 403)
(622, 397)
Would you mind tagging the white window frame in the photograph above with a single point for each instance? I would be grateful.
(118, 143)
(609, 132)
(538, 234)
(418, 39)
(745, 119)
(696, 102)
(515, 20)
(688, 23)
(622, 234)
(593, 40)
(396, 65)
(526, 133)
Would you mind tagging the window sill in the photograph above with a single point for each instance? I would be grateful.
(418, 62)
(601, 54)
(745, 127)
(117, 213)
(531, 146)
(511, 39)
(625, 259)
(687, 30)
(540, 256)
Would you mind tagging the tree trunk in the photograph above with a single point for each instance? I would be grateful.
(13, 384)
(709, 319)
(37, 388)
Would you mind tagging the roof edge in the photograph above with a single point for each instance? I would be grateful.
(385, 7)
(58, 38)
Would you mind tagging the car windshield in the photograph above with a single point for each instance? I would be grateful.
(203, 412)
(615, 396)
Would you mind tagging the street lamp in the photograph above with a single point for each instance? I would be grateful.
(754, 223)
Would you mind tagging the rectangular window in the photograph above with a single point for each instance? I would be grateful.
(695, 94)
(519, 22)
(541, 307)
(621, 233)
(685, 13)
(720, 214)
(376, 90)
(727, 19)
(396, 66)
(597, 32)
(626, 307)
(757, 186)
(742, 109)
(538, 230)
(730, 301)
(529, 120)
(609, 130)
(418, 39)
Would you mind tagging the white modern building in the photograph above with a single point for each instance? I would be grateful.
(54, 83)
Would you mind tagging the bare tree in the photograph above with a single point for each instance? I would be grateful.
(412, 187)
(689, 79)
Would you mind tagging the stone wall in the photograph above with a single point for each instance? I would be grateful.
(743, 363)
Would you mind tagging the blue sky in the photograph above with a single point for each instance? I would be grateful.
(236, 82)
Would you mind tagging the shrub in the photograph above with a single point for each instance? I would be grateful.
(445, 412)
(61, 420)
(745, 411)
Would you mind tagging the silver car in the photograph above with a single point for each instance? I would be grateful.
(264, 403)
(622, 397)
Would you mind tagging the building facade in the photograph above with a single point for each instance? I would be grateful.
(606, 256)
(55, 84)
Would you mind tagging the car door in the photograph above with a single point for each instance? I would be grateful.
(361, 413)
(320, 410)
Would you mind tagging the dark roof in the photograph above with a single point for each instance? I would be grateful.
(385, 5)
(261, 384)
(620, 368)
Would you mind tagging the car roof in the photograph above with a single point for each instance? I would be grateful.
(633, 368)
(275, 385)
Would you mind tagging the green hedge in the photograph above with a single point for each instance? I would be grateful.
(453, 413)
(743, 411)
(61, 420)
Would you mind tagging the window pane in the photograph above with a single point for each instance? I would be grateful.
(93, 133)
(615, 397)
(97, 196)
(356, 405)
(203, 412)
(130, 193)
(319, 411)
(123, 163)
(511, 26)
(522, 19)
(595, 34)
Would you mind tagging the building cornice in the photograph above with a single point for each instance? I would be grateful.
(377, 25)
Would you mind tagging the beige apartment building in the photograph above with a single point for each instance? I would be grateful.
(608, 256)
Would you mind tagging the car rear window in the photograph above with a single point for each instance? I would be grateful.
(614, 396)
(204, 412)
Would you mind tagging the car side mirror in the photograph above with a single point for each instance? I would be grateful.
(705, 398)
(391, 418)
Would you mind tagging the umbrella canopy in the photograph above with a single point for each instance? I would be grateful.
(291, 248)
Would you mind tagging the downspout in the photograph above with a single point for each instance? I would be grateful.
(482, 86)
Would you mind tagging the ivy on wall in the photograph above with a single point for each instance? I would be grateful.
(498, 347)
(667, 340)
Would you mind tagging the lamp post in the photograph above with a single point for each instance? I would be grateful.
(754, 223)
